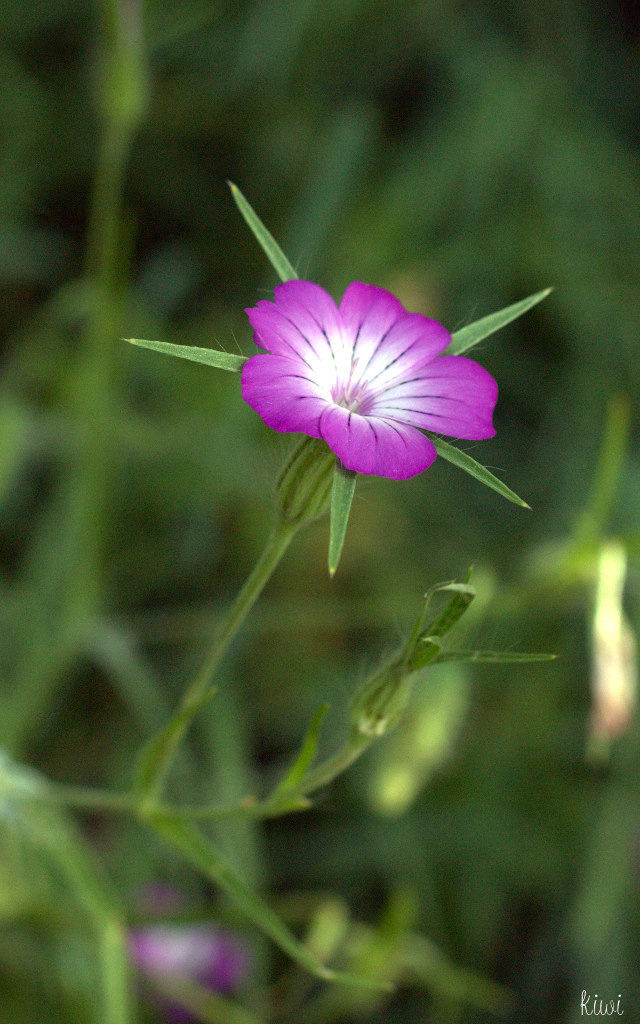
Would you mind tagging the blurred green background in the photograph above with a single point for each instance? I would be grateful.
(463, 156)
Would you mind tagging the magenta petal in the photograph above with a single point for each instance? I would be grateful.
(372, 445)
(277, 389)
(276, 333)
(368, 313)
(315, 315)
(408, 345)
(452, 395)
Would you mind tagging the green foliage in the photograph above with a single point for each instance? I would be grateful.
(461, 156)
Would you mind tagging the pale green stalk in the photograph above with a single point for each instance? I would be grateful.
(161, 752)
(122, 101)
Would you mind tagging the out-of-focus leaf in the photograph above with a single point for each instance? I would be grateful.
(25, 809)
(158, 751)
(200, 852)
(494, 657)
(301, 765)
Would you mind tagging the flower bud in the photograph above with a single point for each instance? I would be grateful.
(382, 699)
(304, 485)
(614, 654)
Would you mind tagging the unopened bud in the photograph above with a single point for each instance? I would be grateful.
(614, 675)
(381, 701)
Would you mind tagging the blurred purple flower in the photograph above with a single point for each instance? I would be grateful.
(366, 376)
(214, 959)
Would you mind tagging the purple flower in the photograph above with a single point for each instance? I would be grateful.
(366, 376)
(216, 960)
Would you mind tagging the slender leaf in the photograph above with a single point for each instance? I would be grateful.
(494, 657)
(475, 469)
(200, 852)
(207, 356)
(469, 336)
(344, 486)
(264, 238)
(295, 776)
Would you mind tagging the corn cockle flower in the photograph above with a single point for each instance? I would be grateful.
(365, 376)
(215, 959)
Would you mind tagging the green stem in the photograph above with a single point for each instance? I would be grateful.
(166, 743)
(336, 764)
(122, 102)
(115, 977)
(104, 801)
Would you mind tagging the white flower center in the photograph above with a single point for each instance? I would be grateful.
(352, 393)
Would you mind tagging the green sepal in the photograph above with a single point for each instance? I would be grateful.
(381, 701)
(303, 487)
(463, 595)
(427, 650)
(344, 486)
(423, 645)
(263, 236)
(480, 473)
(469, 336)
(207, 356)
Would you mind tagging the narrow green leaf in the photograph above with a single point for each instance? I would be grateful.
(344, 485)
(200, 852)
(469, 336)
(30, 814)
(296, 773)
(475, 469)
(494, 657)
(207, 356)
(264, 238)
(116, 971)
